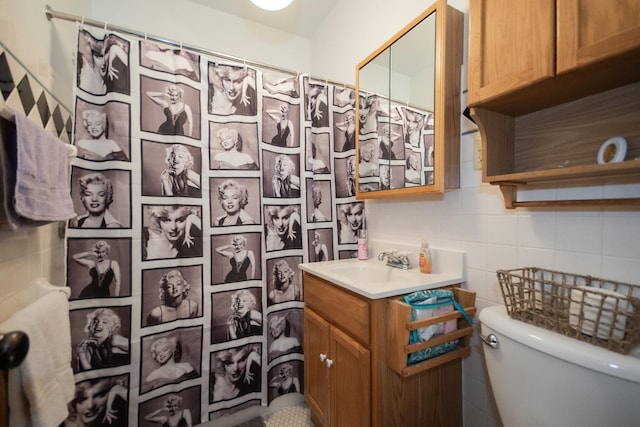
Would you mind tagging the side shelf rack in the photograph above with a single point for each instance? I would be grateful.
(400, 325)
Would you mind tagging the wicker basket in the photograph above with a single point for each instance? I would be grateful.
(597, 311)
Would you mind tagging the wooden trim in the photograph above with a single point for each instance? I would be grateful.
(509, 192)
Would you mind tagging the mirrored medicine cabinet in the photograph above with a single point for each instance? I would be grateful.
(408, 109)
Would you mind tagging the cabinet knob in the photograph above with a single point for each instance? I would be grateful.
(323, 357)
(329, 362)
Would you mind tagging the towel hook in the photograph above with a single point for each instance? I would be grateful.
(14, 347)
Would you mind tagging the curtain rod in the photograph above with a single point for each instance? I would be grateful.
(50, 13)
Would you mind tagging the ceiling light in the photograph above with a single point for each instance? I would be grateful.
(272, 4)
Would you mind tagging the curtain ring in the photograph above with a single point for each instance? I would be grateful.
(82, 22)
(145, 36)
(105, 26)
(180, 45)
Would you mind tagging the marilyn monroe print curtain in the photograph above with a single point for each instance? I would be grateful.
(200, 186)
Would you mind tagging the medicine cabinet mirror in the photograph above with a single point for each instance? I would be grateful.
(408, 109)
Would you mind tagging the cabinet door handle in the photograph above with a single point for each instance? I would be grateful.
(329, 362)
(323, 357)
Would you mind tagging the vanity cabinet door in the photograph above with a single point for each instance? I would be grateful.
(350, 381)
(591, 31)
(511, 46)
(316, 374)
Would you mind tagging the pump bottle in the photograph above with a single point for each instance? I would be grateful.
(424, 259)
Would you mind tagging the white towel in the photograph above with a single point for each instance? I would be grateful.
(46, 376)
(41, 174)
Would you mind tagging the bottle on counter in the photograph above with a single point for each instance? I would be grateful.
(363, 248)
(424, 259)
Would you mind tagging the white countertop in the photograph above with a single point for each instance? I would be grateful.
(374, 280)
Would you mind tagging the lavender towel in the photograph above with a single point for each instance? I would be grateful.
(41, 174)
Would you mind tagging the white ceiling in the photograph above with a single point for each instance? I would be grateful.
(301, 17)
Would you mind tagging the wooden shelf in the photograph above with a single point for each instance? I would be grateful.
(400, 325)
(560, 145)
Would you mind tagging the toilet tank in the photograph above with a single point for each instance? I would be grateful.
(543, 379)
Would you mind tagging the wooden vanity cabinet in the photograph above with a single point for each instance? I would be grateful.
(348, 381)
(549, 82)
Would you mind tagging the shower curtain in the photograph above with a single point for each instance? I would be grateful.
(200, 186)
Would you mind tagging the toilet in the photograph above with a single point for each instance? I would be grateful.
(544, 379)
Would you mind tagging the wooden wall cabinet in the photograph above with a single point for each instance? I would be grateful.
(549, 82)
(348, 381)
(408, 109)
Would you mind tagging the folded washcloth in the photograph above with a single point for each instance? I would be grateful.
(46, 377)
(35, 175)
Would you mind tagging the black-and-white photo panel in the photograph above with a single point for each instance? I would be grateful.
(316, 103)
(347, 254)
(102, 199)
(100, 337)
(232, 89)
(169, 108)
(414, 123)
(176, 408)
(428, 149)
(99, 267)
(317, 149)
(234, 201)
(392, 176)
(344, 130)
(235, 372)
(170, 357)
(344, 96)
(283, 228)
(172, 170)
(169, 59)
(320, 244)
(285, 332)
(236, 257)
(276, 83)
(100, 400)
(232, 409)
(350, 220)
(390, 143)
(281, 175)
(233, 146)
(103, 131)
(368, 160)
(280, 123)
(285, 378)
(413, 170)
(368, 109)
(170, 294)
(236, 314)
(319, 200)
(284, 280)
(345, 175)
(103, 64)
(171, 231)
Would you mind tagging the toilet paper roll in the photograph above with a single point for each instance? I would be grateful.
(585, 305)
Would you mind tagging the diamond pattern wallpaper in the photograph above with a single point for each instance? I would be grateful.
(23, 92)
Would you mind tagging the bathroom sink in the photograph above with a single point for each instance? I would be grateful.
(374, 279)
(367, 271)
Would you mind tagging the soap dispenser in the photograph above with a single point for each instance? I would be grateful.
(424, 259)
(363, 246)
